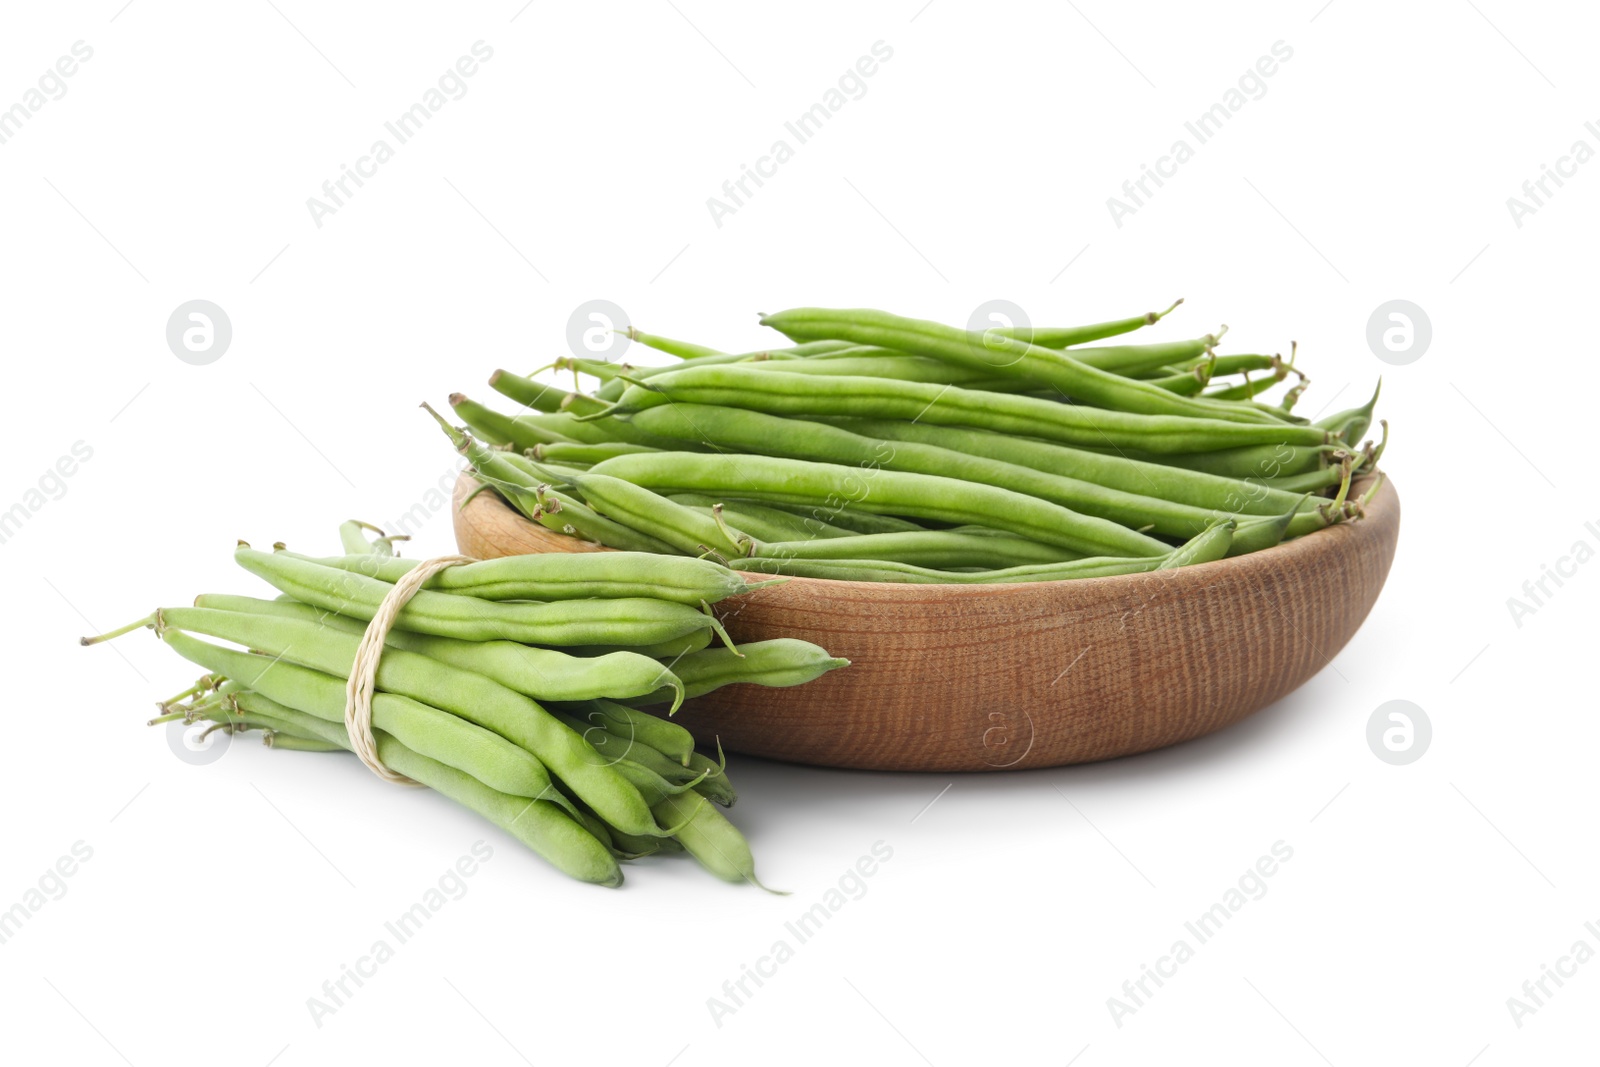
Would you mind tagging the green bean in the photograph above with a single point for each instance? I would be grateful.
(760, 521)
(885, 363)
(573, 452)
(498, 429)
(477, 699)
(566, 514)
(755, 432)
(1223, 366)
(537, 395)
(542, 825)
(666, 651)
(1249, 388)
(576, 576)
(617, 746)
(940, 549)
(871, 570)
(883, 491)
(667, 738)
(544, 674)
(1309, 482)
(1352, 425)
(642, 509)
(1001, 354)
(525, 432)
(1251, 462)
(1131, 360)
(353, 536)
(1212, 543)
(290, 742)
(1253, 535)
(560, 414)
(780, 661)
(1065, 336)
(845, 518)
(627, 846)
(714, 786)
(605, 370)
(781, 393)
(710, 838)
(1127, 360)
(472, 749)
(623, 620)
(1116, 471)
(1184, 383)
(495, 466)
(614, 387)
(681, 349)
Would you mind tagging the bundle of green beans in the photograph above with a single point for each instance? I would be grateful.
(513, 686)
(881, 448)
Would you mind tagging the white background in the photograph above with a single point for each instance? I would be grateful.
(977, 165)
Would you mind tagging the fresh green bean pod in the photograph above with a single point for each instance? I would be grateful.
(1066, 336)
(1195, 489)
(613, 388)
(870, 570)
(1184, 383)
(573, 576)
(681, 349)
(781, 393)
(424, 728)
(1309, 482)
(566, 514)
(618, 747)
(780, 661)
(667, 738)
(737, 430)
(621, 621)
(1254, 535)
(499, 429)
(1252, 462)
(541, 673)
(290, 742)
(714, 784)
(575, 453)
(885, 363)
(1213, 543)
(559, 414)
(760, 521)
(884, 491)
(651, 513)
(542, 825)
(540, 396)
(999, 354)
(940, 549)
(477, 699)
(1223, 366)
(665, 651)
(846, 518)
(1352, 425)
(710, 838)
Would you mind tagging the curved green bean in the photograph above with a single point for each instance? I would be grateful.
(619, 621)
(998, 353)
(781, 393)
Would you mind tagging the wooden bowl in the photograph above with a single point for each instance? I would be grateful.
(989, 677)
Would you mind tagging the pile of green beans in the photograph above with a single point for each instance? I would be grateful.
(514, 686)
(876, 447)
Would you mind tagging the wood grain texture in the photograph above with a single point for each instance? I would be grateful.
(974, 678)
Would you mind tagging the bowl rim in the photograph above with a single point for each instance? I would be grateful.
(1380, 511)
